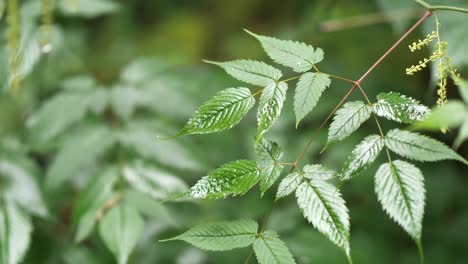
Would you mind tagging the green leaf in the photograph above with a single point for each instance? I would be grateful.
(449, 115)
(141, 137)
(124, 100)
(463, 89)
(88, 8)
(15, 233)
(83, 148)
(90, 200)
(308, 92)
(269, 153)
(234, 178)
(318, 172)
(146, 205)
(362, 156)
(270, 105)
(120, 229)
(462, 134)
(249, 71)
(347, 120)
(297, 55)
(153, 181)
(55, 116)
(400, 189)
(399, 108)
(221, 236)
(224, 111)
(418, 147)
(143, 69)
(322, 205)
(19, 176)
(270, 249)
(288, 185)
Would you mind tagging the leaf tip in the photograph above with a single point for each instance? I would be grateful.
(251, 33)
(182, 132)
(210, 61)
(168, 239)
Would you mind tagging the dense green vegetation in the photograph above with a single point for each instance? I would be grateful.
(105, 106)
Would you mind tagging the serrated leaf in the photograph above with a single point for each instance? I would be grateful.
(318, 172)
(322, 205)
(418, 147)
(400, 189)
(269, 153)
(153, 181)
(221, 236)
(362, 156)
(270, 105)
(288, 185)
(234, 178)
(270, 249)
(20, 184)
(120, 229)
(250, 71)
(15, 233)
(224, 111)
(347, 120)
(297, 55)
(399, 108)
(79, 150)
(308, 92)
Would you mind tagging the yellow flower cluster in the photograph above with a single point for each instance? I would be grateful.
(422, 43)
(436, 55)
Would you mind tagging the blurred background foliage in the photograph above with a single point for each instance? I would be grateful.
(84, 126)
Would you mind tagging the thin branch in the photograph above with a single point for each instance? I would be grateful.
(368, 19)
(109, 204)
(355, 85)
(441, 7)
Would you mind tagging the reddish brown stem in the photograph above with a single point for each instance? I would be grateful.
(358, 82)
